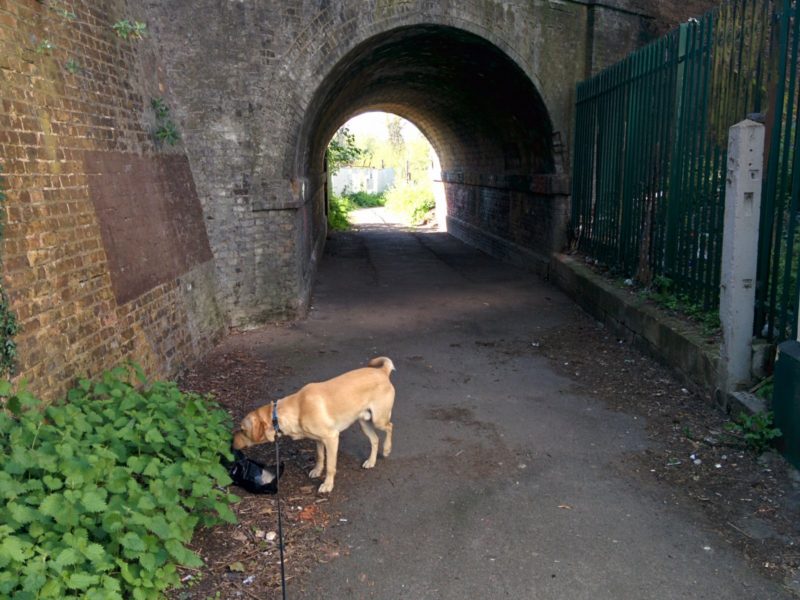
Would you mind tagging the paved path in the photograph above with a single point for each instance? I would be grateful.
(502, 483)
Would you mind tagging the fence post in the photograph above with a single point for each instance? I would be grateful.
(740, 252)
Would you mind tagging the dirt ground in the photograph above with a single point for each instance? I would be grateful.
(752, 500)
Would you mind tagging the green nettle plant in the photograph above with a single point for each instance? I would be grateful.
(100, 494)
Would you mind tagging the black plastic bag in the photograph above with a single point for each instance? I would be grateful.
(253, 476)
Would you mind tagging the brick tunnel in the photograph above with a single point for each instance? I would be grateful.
(255, 90)
(484, 117)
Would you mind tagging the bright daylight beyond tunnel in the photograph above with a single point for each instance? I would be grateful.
(382, 169)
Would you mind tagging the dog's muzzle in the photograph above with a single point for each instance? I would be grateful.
(240, 440)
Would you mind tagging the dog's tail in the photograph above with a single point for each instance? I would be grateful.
(383, 362)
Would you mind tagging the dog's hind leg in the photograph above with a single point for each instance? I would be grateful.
(386, 427)
(331, 450)
(320, 464)
(369, 431)
(382, 420)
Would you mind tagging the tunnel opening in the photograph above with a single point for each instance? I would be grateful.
(484, 117)
(381, 169)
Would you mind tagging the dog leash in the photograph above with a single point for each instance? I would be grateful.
(278, 492)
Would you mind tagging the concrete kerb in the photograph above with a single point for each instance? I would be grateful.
(669, 340)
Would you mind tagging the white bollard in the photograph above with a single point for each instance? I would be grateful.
(740, 252)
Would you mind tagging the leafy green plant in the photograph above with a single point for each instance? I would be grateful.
(756, 431)
(100, 494)
(9, 327)
(338, 209)
(73, 66)
(160, 108)
(765, 388)
(364, 199)
(45, 46)
(129, 30)
(166, 130)
(663, 291)
(412, 201)
(8, 320)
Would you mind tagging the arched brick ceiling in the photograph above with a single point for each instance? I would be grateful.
(477, 108)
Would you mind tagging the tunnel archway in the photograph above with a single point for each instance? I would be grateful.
(483, 115)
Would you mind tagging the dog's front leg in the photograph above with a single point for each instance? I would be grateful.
(320, 464)
(331, 449)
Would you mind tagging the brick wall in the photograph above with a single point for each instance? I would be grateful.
(110, 238)
(279, 76)
(522, 221)
(105, 253)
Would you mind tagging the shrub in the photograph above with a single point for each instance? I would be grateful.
(338, 209)
(411, 201)
(365, 199)
(100, 494)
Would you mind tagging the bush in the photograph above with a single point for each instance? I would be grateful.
(411, 201)
(338, 209)
(365, 199)
(100, 494)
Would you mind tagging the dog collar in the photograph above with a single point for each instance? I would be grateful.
(275, 417)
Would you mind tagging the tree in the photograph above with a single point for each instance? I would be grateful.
(342, 150)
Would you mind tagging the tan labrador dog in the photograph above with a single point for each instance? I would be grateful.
(320, 411)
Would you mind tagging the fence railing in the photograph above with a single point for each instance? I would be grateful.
(777, 290)
(651, 153)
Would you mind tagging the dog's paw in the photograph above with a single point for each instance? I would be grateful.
(368, 464)
(315, 472)
(326, 487)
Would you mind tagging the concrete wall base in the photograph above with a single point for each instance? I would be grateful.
(669, 340)
(498, 247)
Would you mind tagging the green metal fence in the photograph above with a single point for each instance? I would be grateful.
(651, 152)
(777, 290)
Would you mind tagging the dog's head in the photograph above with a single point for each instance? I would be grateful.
(256, 428)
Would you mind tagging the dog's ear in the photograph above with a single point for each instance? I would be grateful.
(253, 426)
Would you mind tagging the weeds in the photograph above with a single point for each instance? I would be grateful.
(663, 292)
(129, 30)
(100, 494)
(338, 210)
(756, 431)
(166, 131)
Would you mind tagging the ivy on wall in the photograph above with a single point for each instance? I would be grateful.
(8, 321)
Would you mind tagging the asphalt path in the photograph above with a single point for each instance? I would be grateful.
(504, 481)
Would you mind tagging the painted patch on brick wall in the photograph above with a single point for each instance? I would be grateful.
(150, 218)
